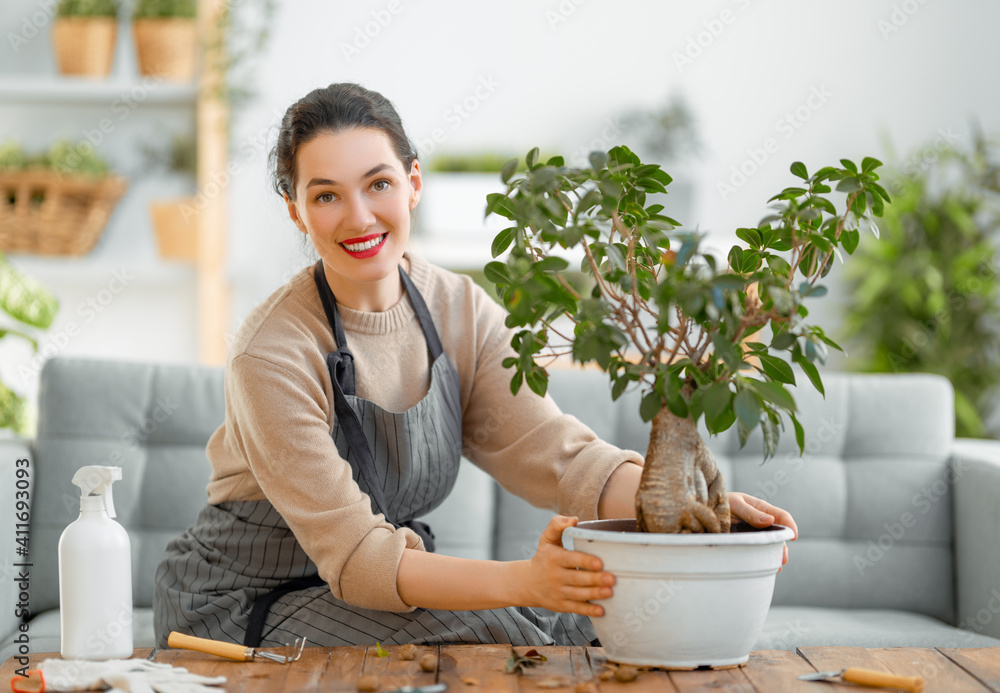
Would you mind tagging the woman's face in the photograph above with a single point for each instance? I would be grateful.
(353, 199)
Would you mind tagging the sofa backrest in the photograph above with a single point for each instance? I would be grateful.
(151, 420)
(870, 497)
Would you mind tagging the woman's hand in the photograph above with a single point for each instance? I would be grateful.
(561, 580)
(760, 513)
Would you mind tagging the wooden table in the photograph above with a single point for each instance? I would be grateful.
(480, 669)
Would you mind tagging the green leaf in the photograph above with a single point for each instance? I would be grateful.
(800, 434)
(850, 240)
(503, 240)
(869, 163)
(598, 160)
(799, 169)
(809, 368)
(25, 299)
(772, 392)
(497, 272)
(848, 185)
(538, 380)
(650, 406)
(380, 651)
(849, 165)
(777, 369)
(532, 158)
(751, 236)
(782, 341)
(771, 435)
(508, 170)
(500, 204)
(747, 409)
(718, 403)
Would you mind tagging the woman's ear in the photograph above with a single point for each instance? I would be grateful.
(416, 184)
(293, 213)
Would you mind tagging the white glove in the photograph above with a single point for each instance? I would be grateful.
(124, 676)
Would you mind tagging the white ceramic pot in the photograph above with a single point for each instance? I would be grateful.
(681, 600)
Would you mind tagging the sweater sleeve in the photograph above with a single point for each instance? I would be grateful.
(524, 441)
(279, 422)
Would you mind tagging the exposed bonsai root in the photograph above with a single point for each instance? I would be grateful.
(682, 490)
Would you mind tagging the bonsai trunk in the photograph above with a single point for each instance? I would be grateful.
(681, 489)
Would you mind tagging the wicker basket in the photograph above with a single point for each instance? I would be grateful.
(44, 212)
(165, 47)
(85, 46)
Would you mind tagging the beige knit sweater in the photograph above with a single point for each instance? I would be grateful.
(275, 443)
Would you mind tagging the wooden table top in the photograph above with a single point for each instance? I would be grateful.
(481, 669)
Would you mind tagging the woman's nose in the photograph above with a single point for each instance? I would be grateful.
(359, 213)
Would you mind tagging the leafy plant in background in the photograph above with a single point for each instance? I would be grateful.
(159, 9)
(927, 298)
(664, 133)
(87, 8)
(62, 156)
(669, 318)
(30, 305)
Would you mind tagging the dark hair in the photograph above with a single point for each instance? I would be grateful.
(333, 109)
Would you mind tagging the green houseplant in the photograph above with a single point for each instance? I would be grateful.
(83, 35)
(165, 38)
(926, 298)
(30, 305)
(666, 317)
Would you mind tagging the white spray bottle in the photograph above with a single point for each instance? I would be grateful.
(95, 574)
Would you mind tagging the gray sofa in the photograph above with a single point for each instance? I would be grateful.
(899, 522)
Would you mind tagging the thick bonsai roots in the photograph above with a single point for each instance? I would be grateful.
(681, 489)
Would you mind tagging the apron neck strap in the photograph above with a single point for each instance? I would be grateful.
(416, 300)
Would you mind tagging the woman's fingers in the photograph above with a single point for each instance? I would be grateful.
(553, 531)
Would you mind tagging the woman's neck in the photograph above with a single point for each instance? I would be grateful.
(370, 297)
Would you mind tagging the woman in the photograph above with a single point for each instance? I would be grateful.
(347, 394)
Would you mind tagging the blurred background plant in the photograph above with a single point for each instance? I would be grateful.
(150, 9)
(33, 308)
(87, 8)
(666, 134)
(926, 298)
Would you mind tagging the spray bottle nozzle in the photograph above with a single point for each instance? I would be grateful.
(96, 480)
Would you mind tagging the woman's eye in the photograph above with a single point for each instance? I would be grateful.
(380, 185)
(324, 197)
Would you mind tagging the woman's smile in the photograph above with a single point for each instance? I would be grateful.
(366, 246)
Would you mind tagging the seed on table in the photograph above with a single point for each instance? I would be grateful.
(429, 662)
(408, 651)
(625, 674)
(368, 683)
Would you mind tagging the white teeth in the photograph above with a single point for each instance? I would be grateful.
(358, 247)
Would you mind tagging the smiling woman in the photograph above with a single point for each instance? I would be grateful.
(352, 393)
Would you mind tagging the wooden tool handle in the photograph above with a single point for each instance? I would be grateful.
(867, 677)
(214, 647)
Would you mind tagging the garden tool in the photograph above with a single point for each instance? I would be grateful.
(115, 676)
(869, 677)
(232, 650)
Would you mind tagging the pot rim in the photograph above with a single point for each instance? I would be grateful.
(616, 531)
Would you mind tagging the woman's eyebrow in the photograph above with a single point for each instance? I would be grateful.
(327, 181)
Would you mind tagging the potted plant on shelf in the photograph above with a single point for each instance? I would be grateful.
(165, 38)
(175, 221)
(83, 35)
(56, 203)
(663, 316)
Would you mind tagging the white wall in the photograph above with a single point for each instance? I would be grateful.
(556, 74)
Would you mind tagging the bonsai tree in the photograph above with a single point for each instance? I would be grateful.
(926, 298)
(661, 314)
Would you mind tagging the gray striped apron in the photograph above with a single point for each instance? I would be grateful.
(238, 574)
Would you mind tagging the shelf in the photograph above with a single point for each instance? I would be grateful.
(59, 270)
(55, 89)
